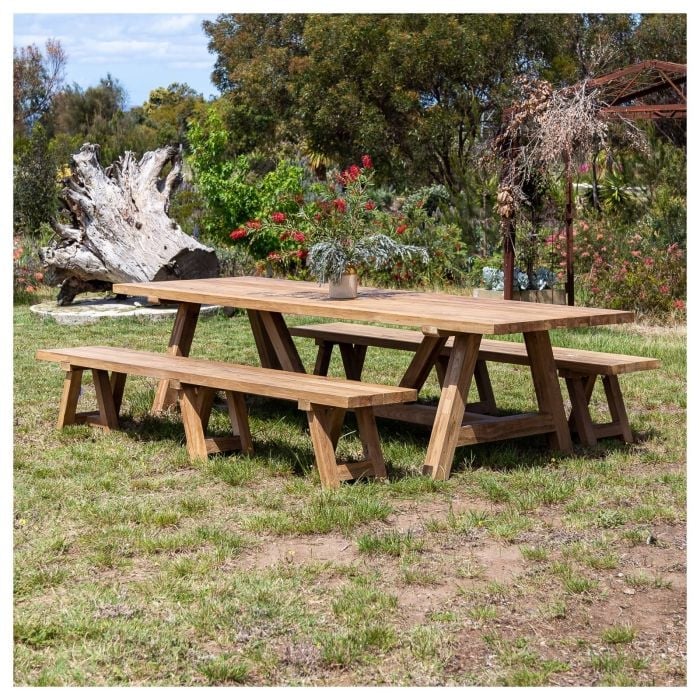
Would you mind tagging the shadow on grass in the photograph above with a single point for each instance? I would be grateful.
(281, 437)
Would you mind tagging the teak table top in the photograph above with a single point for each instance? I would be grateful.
(445, 312)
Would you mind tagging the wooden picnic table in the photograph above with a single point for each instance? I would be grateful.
(439, 316)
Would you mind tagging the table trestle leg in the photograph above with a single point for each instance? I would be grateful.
(179, 344)
(547, 389)
(450, 410)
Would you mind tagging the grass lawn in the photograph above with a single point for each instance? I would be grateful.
(135, 566)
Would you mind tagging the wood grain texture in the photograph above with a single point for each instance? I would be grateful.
(547, 389)
(445, 312)
(328, 391)
(324, 450)
(105, 400)
(450, 410)
(179, 345)
(69, 398)
(570, 359)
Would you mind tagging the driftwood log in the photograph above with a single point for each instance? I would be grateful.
(121, 231)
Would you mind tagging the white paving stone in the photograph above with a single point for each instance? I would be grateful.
(91, 310)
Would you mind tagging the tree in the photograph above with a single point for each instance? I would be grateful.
(36, 79)
(168, 110)
(97, 114)
(259, 60)
(35, 199)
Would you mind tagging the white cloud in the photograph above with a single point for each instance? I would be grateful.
(174, 24)
(142, 51)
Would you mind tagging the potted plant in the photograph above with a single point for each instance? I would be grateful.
(349, 233)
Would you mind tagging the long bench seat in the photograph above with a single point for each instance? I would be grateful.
(579, 369)
(324, 399)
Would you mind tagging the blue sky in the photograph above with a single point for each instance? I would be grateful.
(142, 51)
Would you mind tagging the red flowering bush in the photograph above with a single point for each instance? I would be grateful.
(635, 271)
(26, 268)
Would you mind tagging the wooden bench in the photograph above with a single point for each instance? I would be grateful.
(324, 399)
(579, 369)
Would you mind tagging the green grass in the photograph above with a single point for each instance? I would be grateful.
(135, 566)
(392, 543)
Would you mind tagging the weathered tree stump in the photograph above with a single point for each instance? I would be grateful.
(121, 231)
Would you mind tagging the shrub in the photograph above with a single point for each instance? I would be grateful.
(26, 267)
(620, 269)
(35, 190)
(234, 192)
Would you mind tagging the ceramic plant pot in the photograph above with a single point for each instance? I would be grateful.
(344, 288)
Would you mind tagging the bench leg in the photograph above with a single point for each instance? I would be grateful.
(580, 419)
(324, 427)
(617, 407)
(324, 450)
(69, 398)
(195, 407)
(190, 406)
(580, 391)
(109, 391)
(117, 381)
(105, 400)
(238, 415)
(369, 436)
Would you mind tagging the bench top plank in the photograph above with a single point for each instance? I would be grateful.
(574, 360)
(340, 393)
(446, 312)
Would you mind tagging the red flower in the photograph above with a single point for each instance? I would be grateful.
(238, 233)
(401, 229)
(664, 289)
(298, 236)
(278, 217)
(349, 175)
(340, 205)
(679, 304)
(369, 205)
(301, 253)
(274, 255)
(367, 161)
(255, 225)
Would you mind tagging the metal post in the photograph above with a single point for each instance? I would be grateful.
(508, 257)
(569, 236)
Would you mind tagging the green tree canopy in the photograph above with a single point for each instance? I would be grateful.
(417, 91)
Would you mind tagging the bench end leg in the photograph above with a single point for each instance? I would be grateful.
(238, 415)
(324, 449)
(69, 398)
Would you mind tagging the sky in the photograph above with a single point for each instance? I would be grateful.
(142, 51)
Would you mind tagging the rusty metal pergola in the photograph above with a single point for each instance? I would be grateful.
(624, 94)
